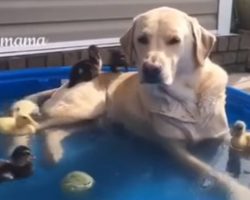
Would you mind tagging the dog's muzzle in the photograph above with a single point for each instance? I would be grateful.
(151, 73)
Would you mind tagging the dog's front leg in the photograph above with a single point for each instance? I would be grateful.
(53, 149)
(236, 190)
(53, 141)
(63, 121)
(40, 97)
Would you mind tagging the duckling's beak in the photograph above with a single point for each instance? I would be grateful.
(31, 120)
(30, 158)
(33, 157)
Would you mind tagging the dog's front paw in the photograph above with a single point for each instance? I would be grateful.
(53, 149)
(53, 155)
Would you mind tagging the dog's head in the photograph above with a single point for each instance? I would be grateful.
(164, 42)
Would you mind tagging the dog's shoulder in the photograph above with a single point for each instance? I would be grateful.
(213, 77)
(121, 81)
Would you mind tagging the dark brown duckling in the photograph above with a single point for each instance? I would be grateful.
(118, 59)
(88, 69)
(19, 166)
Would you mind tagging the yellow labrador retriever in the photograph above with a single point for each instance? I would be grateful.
(176, 98)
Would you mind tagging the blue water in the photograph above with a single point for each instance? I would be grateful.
(124, 167)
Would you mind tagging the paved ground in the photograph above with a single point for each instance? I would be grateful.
(240, 81)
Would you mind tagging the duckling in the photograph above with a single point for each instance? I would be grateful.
(19, 166)
(86, 70)
(240, 140)
(18, 126)
(25, 107)
(118, 60)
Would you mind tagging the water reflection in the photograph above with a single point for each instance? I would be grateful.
(233, 164)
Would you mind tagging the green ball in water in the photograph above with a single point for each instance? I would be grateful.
(77, 182)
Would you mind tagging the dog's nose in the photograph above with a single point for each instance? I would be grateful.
(151, 72)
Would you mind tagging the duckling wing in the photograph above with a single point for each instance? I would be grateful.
(6, 125)
(3, 161)
(6, 177)
(3, 165)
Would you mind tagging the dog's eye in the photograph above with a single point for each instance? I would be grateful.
(143, 39)
(174, 40)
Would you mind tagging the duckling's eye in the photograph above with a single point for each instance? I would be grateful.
(173, 41)
(143, 39)
(240, 128)
(26, 153)
(17, 109)
(80, 71)
(24, 117)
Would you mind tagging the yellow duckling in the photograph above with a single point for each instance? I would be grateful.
(25, 107)
(240, 140)
(18, 126)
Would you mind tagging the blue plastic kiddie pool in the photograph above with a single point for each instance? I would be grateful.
(124, 167)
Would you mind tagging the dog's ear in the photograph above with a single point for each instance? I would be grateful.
(127, 45)
(203, 41)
